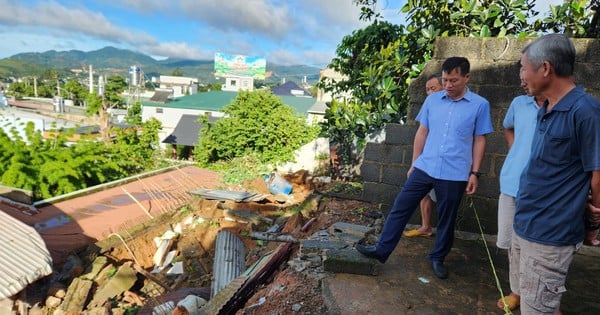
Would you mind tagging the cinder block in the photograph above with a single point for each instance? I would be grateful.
(349, 261)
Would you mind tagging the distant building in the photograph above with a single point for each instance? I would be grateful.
(180, 86)
(330, 75)
(290, 89)
(238, 83)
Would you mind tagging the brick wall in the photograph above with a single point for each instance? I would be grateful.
(495, 76)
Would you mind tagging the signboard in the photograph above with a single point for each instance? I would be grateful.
(240, 65)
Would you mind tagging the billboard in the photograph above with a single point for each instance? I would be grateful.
(240, 65)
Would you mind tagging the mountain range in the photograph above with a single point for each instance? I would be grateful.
(118, 61)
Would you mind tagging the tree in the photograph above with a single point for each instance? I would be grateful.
(75, 91)
(256, 123)
(177, 72)
(115, 85)
(356, 51)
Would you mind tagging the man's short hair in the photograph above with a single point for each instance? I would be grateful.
(457, 62)
(557, 49)
(437, 76)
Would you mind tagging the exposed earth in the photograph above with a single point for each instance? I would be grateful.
(404, 285)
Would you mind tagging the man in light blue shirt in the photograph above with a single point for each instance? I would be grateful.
(447, 154)
(519, 126)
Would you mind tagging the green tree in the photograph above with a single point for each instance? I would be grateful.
(134, 114)
(177, 72)
(114, 88)
(75, 91)
(256, 123)
(355, 53)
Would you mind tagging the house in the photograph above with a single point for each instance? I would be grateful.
(179, 86)
(208, 103)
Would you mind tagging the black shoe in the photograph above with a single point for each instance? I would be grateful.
(439, 270)
(371, 252)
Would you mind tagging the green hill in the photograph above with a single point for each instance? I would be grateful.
(114, 60)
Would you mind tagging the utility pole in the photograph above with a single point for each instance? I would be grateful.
(103, 114)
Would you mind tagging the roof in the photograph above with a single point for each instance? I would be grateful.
(23, 256)
(319, 107)
(216, 100)
(160, 96)
(287, 88)
(187, 131)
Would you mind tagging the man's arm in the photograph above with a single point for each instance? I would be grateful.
(509, 134)
(418, 145)
(478, 151)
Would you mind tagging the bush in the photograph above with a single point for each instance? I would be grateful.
(256, 123)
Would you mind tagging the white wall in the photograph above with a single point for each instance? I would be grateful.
(170, 117)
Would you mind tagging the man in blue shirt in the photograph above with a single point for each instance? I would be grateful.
(519, 126)
(563, 168)
(447, 154)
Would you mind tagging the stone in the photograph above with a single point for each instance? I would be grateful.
(77, 295)
(122, 281)
(52, 302)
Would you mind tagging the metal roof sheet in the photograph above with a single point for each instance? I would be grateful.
(24, 257)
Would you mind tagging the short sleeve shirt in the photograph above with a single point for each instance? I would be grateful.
(452, 126)
(522, 117)
(556, 181)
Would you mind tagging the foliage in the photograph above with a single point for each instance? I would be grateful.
(75, 91)
(115, 85)
(575, 18)
(51, 167)
(134, 114)
(177, 72)
(240, 169)
(256, 123)
(355, 53)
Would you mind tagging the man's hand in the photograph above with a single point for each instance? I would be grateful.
(472, 185)
(593, 213)
(410, 170)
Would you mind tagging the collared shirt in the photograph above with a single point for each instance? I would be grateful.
(452, 126)
(556, 181)
(522, 117)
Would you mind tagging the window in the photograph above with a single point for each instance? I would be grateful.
(159, 110)
(233, 83)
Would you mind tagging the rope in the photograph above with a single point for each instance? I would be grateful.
(507, 310)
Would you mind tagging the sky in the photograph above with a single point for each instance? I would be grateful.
(286, 32)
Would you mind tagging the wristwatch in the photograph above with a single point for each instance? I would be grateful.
(477, 174)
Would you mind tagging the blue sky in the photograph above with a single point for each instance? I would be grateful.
(283, 31)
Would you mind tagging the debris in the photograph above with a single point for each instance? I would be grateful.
(237, 196)
(177, 269)
(246, 216)
(277, 184)
(424, 280)
(164, 309)
(273, 237)
(192, 303)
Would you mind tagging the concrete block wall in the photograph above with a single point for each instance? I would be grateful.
(495, 76)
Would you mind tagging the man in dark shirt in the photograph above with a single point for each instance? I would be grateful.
(564, 166)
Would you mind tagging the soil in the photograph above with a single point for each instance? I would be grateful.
(288, 291)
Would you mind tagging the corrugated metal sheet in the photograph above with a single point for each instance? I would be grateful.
(24, 257)
(230, 260)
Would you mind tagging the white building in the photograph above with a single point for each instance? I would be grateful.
(180, 86)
